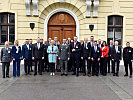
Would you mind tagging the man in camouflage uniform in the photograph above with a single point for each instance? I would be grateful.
(64, 56)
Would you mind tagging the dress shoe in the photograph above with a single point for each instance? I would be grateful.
(89, 75)
(62, 74)
(125, 75)
(114, 74)
(74, 74)
(130, 76)
(35, 74)
(66, 74)
(77, 75)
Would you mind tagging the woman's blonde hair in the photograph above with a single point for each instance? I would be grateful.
(16, 41)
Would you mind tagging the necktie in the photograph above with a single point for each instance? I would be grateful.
(74, 44)
(116, 50)
(91, 44)
(127, 50)
(95, 48)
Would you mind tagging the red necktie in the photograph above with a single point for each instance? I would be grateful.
(127, 50)
(74, 44)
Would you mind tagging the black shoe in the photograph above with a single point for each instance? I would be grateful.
(31, 70)
(74, 74)
(77, 75)
(130, 76)
(62, 74)
(125, 75)
(40, 73)
(117, 75)
(114, 74)
(35, 74)
(7, 76)
(97, 75)
(3, 76)
(108, 71)
(92, 74)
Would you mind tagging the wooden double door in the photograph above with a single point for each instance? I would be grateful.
(61, 25)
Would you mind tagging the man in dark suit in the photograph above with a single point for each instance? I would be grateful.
(95, 56)
(85, 56)
(37, 56)
(27, 56)
(91, 44)
(6, 58)
(127, 57)
(109, 58)
(31, 61)
(75, 51)
(116, 57)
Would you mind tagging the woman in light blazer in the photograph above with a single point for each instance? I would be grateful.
(17, 57)
(52, 54)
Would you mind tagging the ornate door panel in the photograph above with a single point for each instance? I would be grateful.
(61, 25)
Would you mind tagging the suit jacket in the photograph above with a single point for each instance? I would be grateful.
(27, 53)
(52, 57)
(116, 56)
(77, 48)
(6, 55)
(90, 44)
(110, 48)
(38, 53)
(127, 54)
(97, 54)
(16, 54)
(64, 52)
(85, 51)
(105, 51)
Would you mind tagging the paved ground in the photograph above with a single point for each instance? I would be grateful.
(59, 87)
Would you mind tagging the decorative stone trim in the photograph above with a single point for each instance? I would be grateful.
(35, 7)
(88, 4)
(95, 8)
(27, 4)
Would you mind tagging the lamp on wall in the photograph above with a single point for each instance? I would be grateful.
(32, 25)
(91, 27)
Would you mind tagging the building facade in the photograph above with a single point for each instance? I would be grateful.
(104, 19)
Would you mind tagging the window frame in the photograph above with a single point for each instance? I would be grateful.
(7, 24)
(116, 26)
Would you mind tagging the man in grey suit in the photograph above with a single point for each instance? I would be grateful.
(64, 56)
(6, 58)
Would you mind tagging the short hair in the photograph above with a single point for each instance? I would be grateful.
(26, 39)
(95, 41)
(128, 42)
(92, 36)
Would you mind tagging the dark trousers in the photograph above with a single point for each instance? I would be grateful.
(95, 67)
(31, 63)
(126, 67)
(52, 67)
(84, 66)
(75, 63)
(64, 67)
(5, 66)
(16, 70)
(115, 70)
(90, 65)
(27, 65)
(104, 65)
(109, 59)
(38, 62)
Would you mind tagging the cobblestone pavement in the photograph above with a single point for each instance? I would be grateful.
(46, 87)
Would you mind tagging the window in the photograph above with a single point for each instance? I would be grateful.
(115, 28)
(7, 27)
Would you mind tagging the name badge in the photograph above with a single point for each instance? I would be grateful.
(76, 46)
(118, 51)
(61, 49)
(30, 48)
(129, 50)
(9, 51)
(97, 51)
(87, 48)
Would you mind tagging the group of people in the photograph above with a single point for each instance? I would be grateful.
(89, 58)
